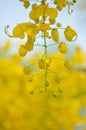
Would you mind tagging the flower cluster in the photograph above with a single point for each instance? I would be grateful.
(43, 25)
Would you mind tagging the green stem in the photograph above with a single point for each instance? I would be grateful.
(46, 69)
(51, 44)
(45, 46)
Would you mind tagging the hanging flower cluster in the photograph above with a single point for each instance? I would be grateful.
(43, 24)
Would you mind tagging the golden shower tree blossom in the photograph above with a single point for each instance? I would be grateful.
(43, 24)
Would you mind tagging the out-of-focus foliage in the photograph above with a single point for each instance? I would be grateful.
(56, 109)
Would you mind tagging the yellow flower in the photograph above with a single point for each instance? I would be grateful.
(26, 3)
(62, 47)
(70, 34)
(22, 50)
(55, 35)
(59, 24)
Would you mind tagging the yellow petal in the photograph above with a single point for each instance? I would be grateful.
(26, 4)
(62, 47)
(40, 10)
(32, 14)
(18, 32)
(52, 12)
(55, 35)
(22, 50)
(44, 27)
(29, 46)
(70, 34)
